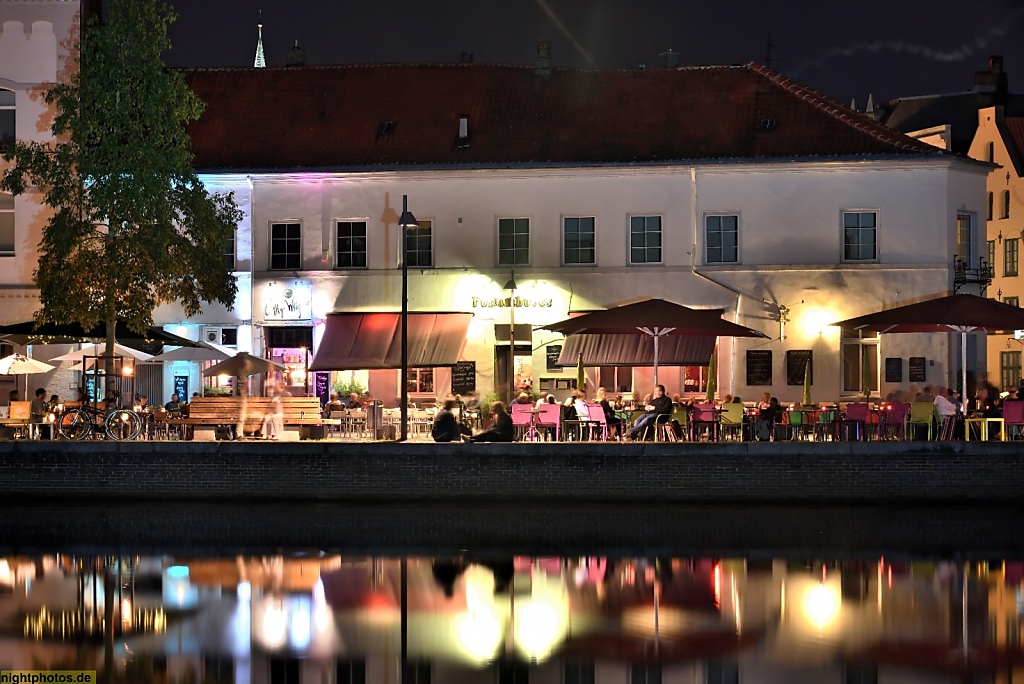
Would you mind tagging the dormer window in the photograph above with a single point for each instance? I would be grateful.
(463, 139)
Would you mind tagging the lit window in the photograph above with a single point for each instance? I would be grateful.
(285, 246)
(420, 381)
(722, 239)
(578, 242)
(513, 242)
(351, 244)
(645, 240)
(860, 362)
(860, 239)
(6, 224)
(418, 244)
(965, 237)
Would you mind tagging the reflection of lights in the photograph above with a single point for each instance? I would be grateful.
(479, 629)
(321, 613)
(541, 621)
(126, 614)
(822, 605)
(178, 592)
(244, 591)
(275, 623)
(718, 585)
(299, 623)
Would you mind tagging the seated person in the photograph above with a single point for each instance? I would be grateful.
(613, 421)
(946, 406)
(501, 428)
(335, 404)
(659, 405)
(13, 396)
(524, 398)
(353, 401)
(173, 404)
(766, 418)
(446, 428)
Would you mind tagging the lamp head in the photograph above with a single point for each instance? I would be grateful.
(511, 284)
(408, 220)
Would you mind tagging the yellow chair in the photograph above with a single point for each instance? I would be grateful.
(922, 413)
(732, 420)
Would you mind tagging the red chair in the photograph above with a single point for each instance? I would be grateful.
(704, 418)
(1013, 418)
(522, 419)
(893, 421)
(598, 419)
(550, 418)
(857, 418)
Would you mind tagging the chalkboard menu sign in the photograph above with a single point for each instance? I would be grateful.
(796, 361)
(759, 367)
(917, 372)
(322, 386)
(181, 387)
(552, 352)
(464, 377)
(893, 369)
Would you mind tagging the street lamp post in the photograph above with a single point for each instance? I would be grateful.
(406, 221)
(511, 286)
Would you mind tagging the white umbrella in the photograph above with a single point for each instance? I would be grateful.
(16, 364)
(100, 350)
(206, 352)
(243, 364)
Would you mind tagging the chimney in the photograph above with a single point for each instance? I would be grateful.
(296, 56)
(542, 67)
(466, 58)
(463, 140)
(669, 59)
(994, 80)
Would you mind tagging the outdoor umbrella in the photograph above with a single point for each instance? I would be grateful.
(243, 364)
(806, 399)
(207, 351)
(73, 333)
(581, 375)
(712, 378)
(654, 318)
(100, 350)
(16, 364)
(962, 313)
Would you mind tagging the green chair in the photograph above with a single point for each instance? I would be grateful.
(922, 414)
(731, 420)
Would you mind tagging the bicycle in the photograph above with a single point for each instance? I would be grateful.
(118, 424)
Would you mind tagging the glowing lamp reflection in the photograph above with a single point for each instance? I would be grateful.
(822, 604)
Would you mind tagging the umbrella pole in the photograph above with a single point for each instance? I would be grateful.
(963, 370)
(655, 357)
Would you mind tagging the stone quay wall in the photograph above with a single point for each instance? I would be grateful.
(822, 473)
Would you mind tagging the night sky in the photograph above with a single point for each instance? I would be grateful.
(846, 50)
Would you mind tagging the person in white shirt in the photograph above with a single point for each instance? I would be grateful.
(946, 404)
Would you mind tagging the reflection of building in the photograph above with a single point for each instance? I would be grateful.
(741, 191)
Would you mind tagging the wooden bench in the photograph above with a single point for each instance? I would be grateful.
(206, 414)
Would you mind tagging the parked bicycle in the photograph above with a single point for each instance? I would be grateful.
(117, 423)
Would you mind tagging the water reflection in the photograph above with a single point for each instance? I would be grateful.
(338, 619)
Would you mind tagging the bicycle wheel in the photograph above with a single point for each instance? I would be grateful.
(122, 425)
(74, 424)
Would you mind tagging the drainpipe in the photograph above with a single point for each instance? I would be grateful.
(252, 272)
(693, 269)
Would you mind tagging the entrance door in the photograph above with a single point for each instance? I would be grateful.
(523, 370)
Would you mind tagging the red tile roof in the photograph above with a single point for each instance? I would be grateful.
(334, 117)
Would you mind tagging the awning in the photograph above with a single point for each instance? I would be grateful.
(373, 340)
(637, 350)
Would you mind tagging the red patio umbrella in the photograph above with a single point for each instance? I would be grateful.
(962, 313)
(654, 318)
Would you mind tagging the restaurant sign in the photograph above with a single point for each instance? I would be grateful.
(288, 301)
(507, 302)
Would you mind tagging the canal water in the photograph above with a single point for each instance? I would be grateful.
(332, 595)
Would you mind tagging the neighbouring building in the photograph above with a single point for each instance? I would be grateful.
(724, 186)
(986, 123)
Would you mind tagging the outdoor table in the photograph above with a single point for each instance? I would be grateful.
(983, 424)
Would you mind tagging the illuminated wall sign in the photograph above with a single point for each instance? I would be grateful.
(506, 302)
(288, 301)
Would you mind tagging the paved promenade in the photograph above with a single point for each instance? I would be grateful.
(820, 473)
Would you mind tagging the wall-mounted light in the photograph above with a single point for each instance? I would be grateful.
(783, 320)
(999, 238)
(999, 295)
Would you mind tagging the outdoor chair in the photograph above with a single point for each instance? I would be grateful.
(824, 428)
(893, 421)
(597, 420)
(1013, 418)
(922, 414)
(856, 417)
(704, 420)
(732, 421)
(522, 417)
(680, 420)
(549, 419)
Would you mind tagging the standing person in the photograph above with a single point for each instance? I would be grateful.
(501, 427)
(37, 411)
(273, 420)
(446, 428)
(659, 405)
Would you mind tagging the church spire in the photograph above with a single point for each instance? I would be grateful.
(260, 61)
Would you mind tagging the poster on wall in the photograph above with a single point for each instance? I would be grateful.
(552, 352)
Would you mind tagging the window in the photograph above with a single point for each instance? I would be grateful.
(645, 674)
(285, 246)
(420, 380)
(229, 337)
(418, 244)
(229, 251)
(965, 238)
(616, 379)
(6, 117)
(1011, 301)
(351, 244)
(578, 673)
(991, 203)
(860, 362)
(992, 253)
(351, 672)
(513, 242)
(1004, 205)
(513, 673)
(416, 673)
(578, 244)
(859, 236)
(721, 239)
(645, 239)
(1009, 369)
(1010, 253)
(6, 224)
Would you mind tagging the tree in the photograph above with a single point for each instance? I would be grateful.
(132, 226)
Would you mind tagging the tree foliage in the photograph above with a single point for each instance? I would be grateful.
(132, 226)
